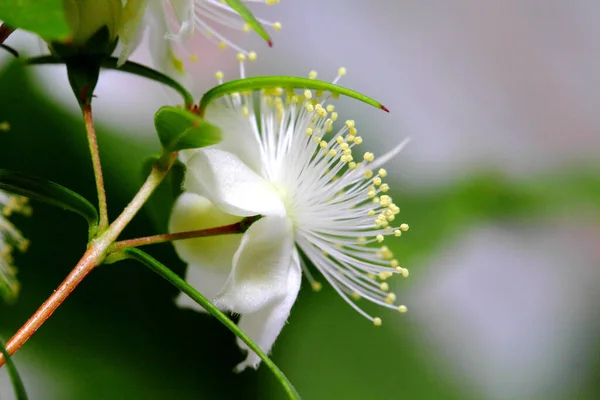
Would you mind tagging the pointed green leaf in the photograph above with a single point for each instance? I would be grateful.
(182, 285)
(180, 129)
(245, 13)
(44, 17)
(149, 73)
(286, 82)
(48, 192)
(15, 379)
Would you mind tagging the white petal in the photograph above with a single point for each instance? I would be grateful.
(206, 281)
(260, 267)
(132, 28)
(161, 48)
(238, 135)
(264, 326)
(192, 212)
(231, 185)
(184, 12)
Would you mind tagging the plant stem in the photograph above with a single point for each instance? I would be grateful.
(94, 256)
(93, 143)
(238, 227)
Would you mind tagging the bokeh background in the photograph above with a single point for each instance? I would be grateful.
(499, 184)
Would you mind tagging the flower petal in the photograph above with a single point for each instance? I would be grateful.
(192, 212)
(184, 12)
(161, 48)
(238, 135)
(231, 185)
(132, 28)
(264, 326)
(261, 267)
(207, 281)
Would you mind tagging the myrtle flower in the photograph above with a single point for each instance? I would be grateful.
(173, 22)
(319, 196)
(10, 239)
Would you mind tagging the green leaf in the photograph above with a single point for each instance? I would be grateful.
(15, 379)
(44, 17)
(180, 129)
(286, 82)
(182, 285)
(50, 193)
(130, 67)
(146, 72)
(245, 13)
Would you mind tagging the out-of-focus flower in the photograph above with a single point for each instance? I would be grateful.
(86, 17)
(173, 22)
(317, 196)
(10, 239)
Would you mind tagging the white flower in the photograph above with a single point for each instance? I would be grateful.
(174, 22)
(317, 197)
(10, 238)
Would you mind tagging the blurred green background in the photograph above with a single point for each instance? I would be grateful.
(503, 293)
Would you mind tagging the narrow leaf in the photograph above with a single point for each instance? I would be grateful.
(182, 285)
(15, 379)
(48, 192)
(146, 72)
(44, 17)
(245, 13)
(286, 82)
(179, 129)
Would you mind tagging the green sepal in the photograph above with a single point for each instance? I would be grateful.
(45, 18)
(15, 379)
(245, 13)
(50, 193)
(83, 77)
(285, 82)
(180, 129)
(182, 285)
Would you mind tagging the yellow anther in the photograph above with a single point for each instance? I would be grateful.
(312, 74)
(385, 187)
(405, 272)
(277, 26)
(371, 276)
(385, 201)
(369, 156)
(309, 107)
(371, 213)
(350, 123)
(241, 57)
(390, 298)
(309, 131)
(252, 56)
(384, 286)
(404, 227)
(245, 111)
(339, 140)
(319, 92)
(219, 75)
(222, 45)
(330, 107)
(370, 193)
(332, 152)
(316, 286)
(358, 140)
(323, 144)
(402, 309)
(247, 28)
(355, 295)
(394, 264)
(382, 173)
(334, 116)
(397, 233)
(193, 57)
(271, 2)
(345, 146)
(352, 165)
(308, 94)
(377, 181)
(379, 238)
(368, 174)
(342, 71)
(377, 321)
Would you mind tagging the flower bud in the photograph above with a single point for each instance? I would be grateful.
(87, 17)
